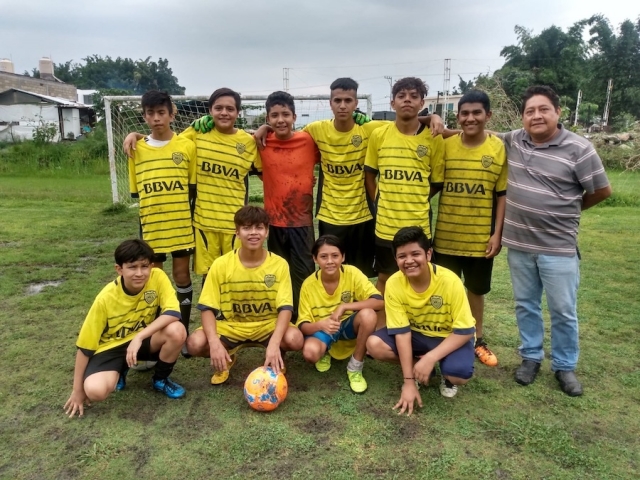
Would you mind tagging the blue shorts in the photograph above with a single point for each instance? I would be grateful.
(458, 363)
(346, 332)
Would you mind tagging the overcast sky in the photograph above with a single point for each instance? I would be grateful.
(245, 44)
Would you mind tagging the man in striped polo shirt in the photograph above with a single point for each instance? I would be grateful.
(554, 174)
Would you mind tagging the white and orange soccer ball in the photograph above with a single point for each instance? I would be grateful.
(264, 389)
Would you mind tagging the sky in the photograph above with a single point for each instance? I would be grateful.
(245, 45)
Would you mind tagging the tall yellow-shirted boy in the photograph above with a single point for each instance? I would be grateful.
(162, 176)
(428, 321)
(135, 317)
(472, 206)
(246, 300)
(402, 155)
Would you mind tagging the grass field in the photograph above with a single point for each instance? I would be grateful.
(59, 229)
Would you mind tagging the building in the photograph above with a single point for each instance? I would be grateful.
(22, 112)
(47, 84)
(436, 104)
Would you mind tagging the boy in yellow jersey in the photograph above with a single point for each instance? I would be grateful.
(471, 208)
(337, 311)
(135, 317)
(246, 300)
(225, 156)
(402, 155)
(428, 321)
(162, 176)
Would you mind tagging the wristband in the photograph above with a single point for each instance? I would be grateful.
(409, 378)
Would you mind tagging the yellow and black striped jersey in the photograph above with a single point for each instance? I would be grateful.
(471, 180)
(404, 164)
(316, 304)
(247, 298)
(439, 311)
(224, 161)
(116, 316)
(341, 198)
(160, 177)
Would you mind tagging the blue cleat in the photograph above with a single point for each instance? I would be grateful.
(170, 388)
(122, 381)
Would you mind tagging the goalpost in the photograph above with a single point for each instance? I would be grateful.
(123, 115)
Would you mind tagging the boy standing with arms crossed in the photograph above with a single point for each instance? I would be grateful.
(471, 208)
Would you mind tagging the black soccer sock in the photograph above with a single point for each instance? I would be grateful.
(163, 370)
(185, 295)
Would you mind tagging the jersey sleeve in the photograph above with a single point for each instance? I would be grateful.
(371, 126)
(94, 324)
(463, 321)
(168, 301)
(210, 295)
(312, 129)
(257, 161)
(364, 289)
(437, 161)
(305, 315)
(284, 297)
(189, 133)
(193, 163)
(371, 160)
(133, 184)
(501, 184)
(397, 319)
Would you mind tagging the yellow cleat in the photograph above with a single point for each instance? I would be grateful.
(357, 382)
(219, 378)
(324, 364)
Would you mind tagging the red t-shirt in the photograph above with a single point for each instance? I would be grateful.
(287, 174)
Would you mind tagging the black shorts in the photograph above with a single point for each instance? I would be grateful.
(357, 241)
(476, 271)
(115, 359)
(385, 260)
(162, 257)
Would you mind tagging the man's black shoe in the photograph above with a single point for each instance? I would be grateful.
(527, 372)
(569, 383)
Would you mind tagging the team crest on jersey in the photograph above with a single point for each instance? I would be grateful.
(422, 150)
(486, 161)
(345, 297)
(240, 148)
(436, 301)
(177, 158)
(356, 140)
(269, 280)
(150, 296)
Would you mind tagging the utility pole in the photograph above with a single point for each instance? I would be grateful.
(390, 86)
(605, 115)
(285, 79)
(575, 120)
(446, 85)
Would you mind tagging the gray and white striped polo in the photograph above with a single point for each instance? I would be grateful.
(545, 188)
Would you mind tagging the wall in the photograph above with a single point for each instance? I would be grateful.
(37, 85)
(28, 116)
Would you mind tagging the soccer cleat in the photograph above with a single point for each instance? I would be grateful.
(357, 382)
(324, 364)
(448, 389)
(122, 380)
(170, 388)
(185, 353)
(485, 355)
(219, 378)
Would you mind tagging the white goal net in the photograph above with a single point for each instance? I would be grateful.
(123, 114)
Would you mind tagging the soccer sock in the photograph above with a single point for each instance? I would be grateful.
(478, 341)
(163, 370)
(448, 384)
(185, 295)
(354, 365)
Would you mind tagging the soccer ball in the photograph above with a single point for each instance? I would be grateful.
(264, 389)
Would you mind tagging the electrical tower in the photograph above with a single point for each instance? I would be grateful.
(446, 85)
(285, 79)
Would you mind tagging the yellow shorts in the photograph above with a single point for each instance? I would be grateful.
(211, 245)
(237, 333)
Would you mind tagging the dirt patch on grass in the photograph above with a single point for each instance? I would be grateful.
(144, 416)
(35, 288)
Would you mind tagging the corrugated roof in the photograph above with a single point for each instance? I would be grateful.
(60, 101)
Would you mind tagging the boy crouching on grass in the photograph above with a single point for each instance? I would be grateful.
(337, 311)
(135, 317)
(428, 320)
(246, 301)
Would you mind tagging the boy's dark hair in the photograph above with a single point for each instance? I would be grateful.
(344, 83)
(156, 98)
(408, 235)
(250, 215)
(476, 96)
(280, 98)
(133, 250)
(540, 90)
(225, 92)
(410, 83)
(330, 240)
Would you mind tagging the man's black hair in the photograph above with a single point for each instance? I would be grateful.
(476, 96)
(540, 90)
(133, 250)
(330, 240)
(156, 98)
(280, 98)
(225, 92)
(344, 83)
(408, 235)
(410, 83)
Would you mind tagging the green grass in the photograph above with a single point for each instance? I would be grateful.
(65, 230)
